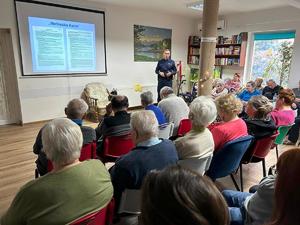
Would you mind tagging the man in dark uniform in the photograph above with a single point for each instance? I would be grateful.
(165, 70)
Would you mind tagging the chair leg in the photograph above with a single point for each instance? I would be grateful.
(234, 182)
(36, 173)
(241, 178)
(277, 151)
(264, 167)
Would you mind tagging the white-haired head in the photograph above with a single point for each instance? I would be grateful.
(76, 108)
(62, 141)
(144, 125)
(165, 92)
(146, 98)
(203, 112)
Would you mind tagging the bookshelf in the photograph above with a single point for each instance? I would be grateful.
(194, 50)
(230, 51)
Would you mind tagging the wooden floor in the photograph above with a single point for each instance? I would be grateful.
(17, 161)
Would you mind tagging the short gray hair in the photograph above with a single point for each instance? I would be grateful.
(219, 81)
(144, 122)
(147, 97)
(62, 141)
(76, 108)
(165, 91)
(203, 111)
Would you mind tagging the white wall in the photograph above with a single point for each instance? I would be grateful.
(287, 18)
(45, 98)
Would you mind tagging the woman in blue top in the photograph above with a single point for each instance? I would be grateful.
(147, 103)
(248, 92)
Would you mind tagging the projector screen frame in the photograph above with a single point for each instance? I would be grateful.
(77, 74)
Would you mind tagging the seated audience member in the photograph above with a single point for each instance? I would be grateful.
(248, 92)
(71, 190)
(199, 141)
(150, 153)
(283, 114)
(246, 208)
(231, 127)
(116, 125)
(297, 93)
(75, 111)
(294, 132)
(234, 84)
(287, 186)
(174, 108)
(259, 122)
(258, 84)
(177, 196)
(219, 89)
(272, 89)
(147, 103)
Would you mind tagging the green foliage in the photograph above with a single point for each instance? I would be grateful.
(143, 58)
(281, 63)
(138, 33)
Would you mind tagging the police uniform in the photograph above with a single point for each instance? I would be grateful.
(165, 66)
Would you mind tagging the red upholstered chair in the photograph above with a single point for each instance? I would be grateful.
(116, 146)
(185, 126)
(102, 217)
(88, 151)
(257, 153)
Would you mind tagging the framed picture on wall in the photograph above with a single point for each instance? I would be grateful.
(149, 42)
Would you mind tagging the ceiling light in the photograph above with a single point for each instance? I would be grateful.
(195, 5)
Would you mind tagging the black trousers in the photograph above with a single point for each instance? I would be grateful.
(162, 83)
(294, 132)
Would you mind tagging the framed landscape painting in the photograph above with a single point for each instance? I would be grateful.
(149, 43)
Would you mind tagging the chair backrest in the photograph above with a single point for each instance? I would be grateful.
(198, 165)
(227, 160)
(259, 148)
(102, 217)
(263, 146)
(165, 130)
(184, 127)
(88, 151)
(115, 146)
(130, 201)
(282, 130)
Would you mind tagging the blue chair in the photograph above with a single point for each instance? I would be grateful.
(227, 160)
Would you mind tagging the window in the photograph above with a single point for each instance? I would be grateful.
(272, 56)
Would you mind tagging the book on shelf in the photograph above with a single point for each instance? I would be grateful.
(194, 51)
(227, 61)
(194, 40)
(194, 60)
(234, 39)
(232, 50)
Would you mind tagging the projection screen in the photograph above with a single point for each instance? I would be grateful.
(60, 40)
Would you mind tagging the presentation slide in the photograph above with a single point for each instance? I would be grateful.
(61, 46)
(60, 40)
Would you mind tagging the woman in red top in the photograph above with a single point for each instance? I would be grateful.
(283, 114)
(231, 127)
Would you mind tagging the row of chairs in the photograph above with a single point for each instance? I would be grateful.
(238, 152)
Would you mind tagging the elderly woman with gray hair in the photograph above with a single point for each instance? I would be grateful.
(147, 103)
(219, 89)
(75, 111)
(199, 141)
(70, 191)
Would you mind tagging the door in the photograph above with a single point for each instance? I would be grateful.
(9, 97)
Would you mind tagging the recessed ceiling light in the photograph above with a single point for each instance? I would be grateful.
(198, 5)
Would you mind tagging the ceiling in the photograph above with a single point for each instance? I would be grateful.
(178, 7)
